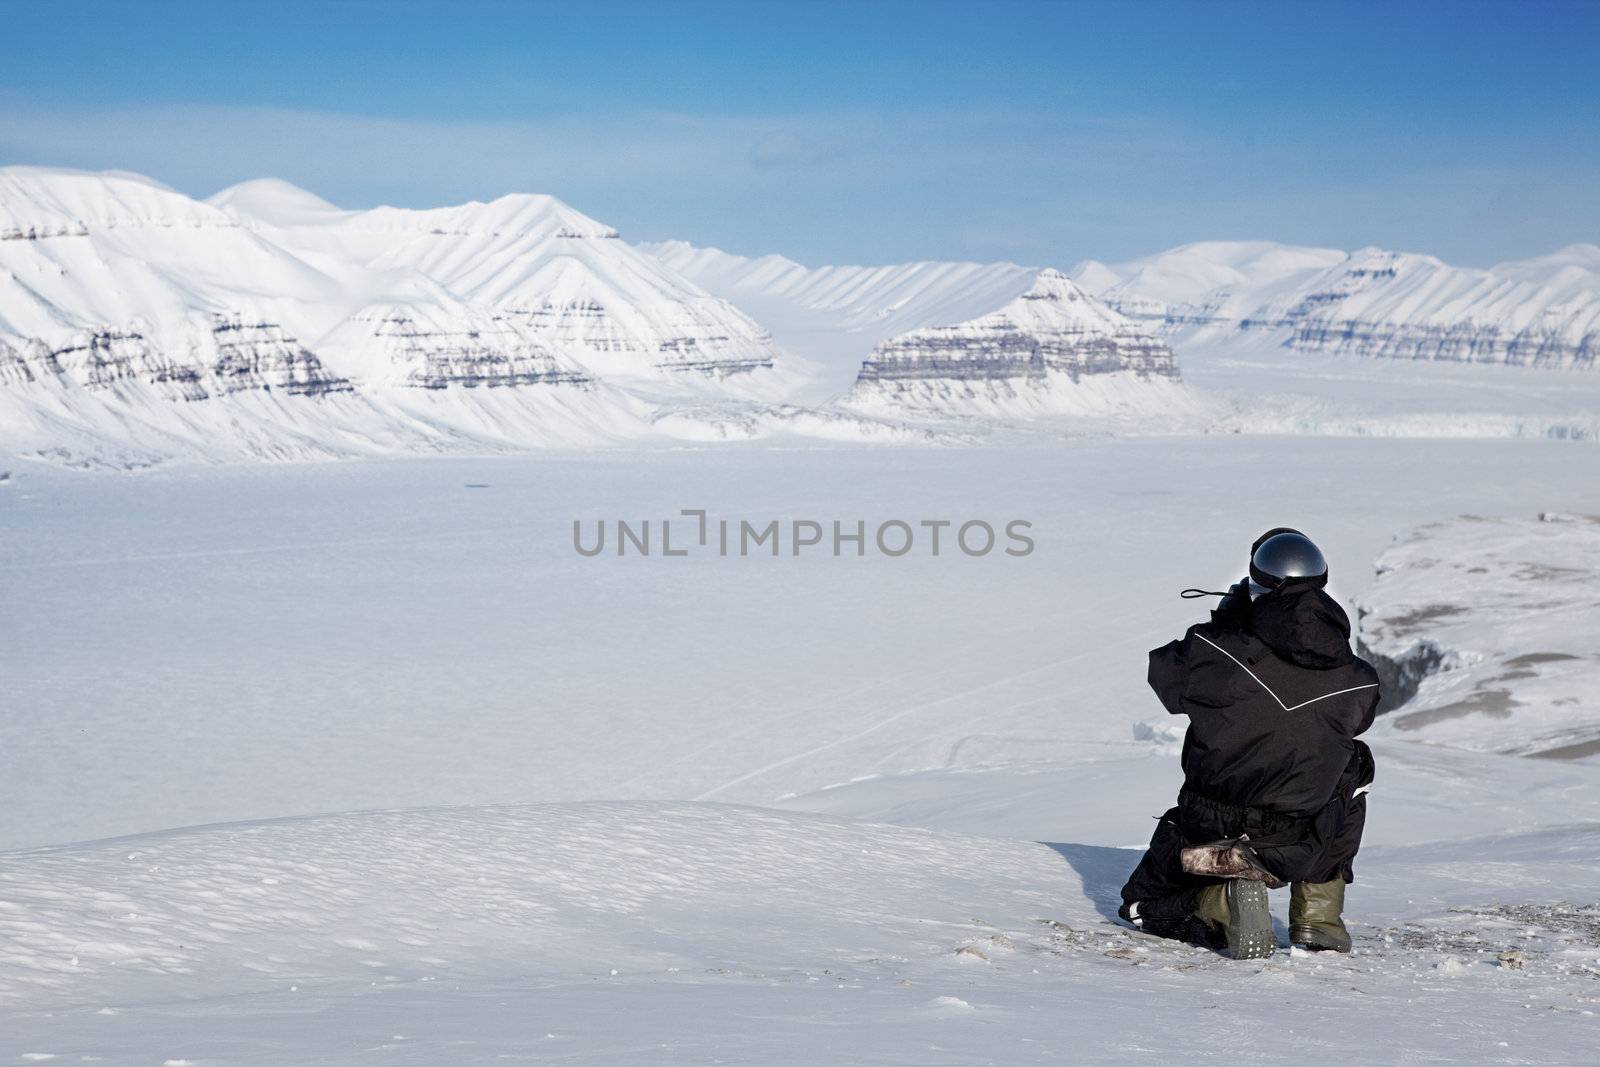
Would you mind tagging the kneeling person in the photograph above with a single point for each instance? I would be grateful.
(1274, 778)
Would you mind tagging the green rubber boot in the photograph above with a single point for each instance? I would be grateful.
(1314, 910)
(1239, 907)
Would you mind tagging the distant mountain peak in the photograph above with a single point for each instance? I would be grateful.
(274, 201)
(132, 312)
(39, 202)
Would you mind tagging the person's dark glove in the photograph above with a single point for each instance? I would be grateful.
(1235, 606)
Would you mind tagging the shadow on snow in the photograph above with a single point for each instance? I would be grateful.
(1101, 870)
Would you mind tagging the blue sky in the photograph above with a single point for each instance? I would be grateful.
(870, 132)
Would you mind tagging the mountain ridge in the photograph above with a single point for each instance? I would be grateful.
(130, 311)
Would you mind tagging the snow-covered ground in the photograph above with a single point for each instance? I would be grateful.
(1488, 626)
(749, 809)
(290, 640)
(695, 933)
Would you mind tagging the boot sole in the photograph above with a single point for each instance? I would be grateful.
(1314, 942)
(1249, 921)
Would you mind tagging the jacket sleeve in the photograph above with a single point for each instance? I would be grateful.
(1369, 705)
(1234, 609)
(1169, 665)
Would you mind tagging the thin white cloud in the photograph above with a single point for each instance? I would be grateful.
(196, 144)
(1048, 186)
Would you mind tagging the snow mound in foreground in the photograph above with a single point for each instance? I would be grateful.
(1485, 630)
(693, 933)
(558, 890)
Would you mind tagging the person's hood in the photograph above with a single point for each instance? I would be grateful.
(1304, 625)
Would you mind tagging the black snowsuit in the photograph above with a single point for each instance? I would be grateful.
(1275, 699)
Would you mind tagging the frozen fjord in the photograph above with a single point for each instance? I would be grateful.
(207, 645)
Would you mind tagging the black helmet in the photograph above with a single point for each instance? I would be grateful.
(1282, 555)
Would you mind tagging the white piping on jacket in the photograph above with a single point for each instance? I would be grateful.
(1268, 688)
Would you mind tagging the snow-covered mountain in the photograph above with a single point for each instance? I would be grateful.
(877, 302)
(1030, 355)
(947, 338)
(111, 278)
(137, 324)
(302, 330)
(1211, 282)
(1539, 312)
(434, 344)
(559, 274)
